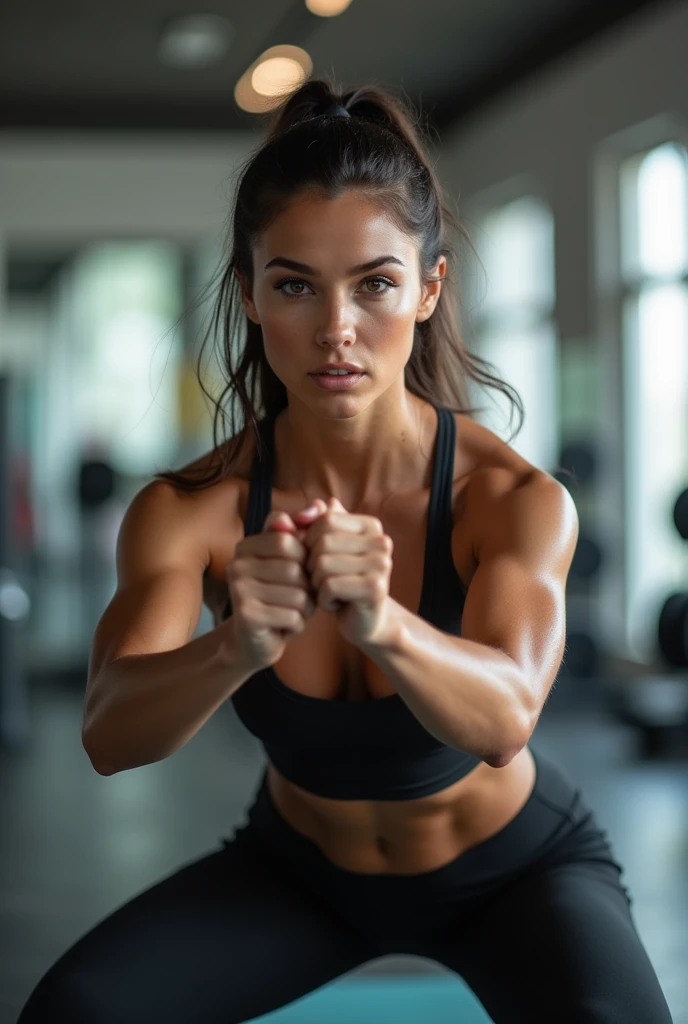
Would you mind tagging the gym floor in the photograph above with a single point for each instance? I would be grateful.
(74, 845)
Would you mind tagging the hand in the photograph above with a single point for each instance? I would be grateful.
(269, 588)
(350, 563)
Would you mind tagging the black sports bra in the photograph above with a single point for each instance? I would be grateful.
(361, 750)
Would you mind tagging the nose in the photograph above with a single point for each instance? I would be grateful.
(337, 326)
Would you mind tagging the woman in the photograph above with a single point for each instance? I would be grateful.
(395, 622)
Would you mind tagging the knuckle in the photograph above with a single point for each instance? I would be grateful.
(244, 609)
(234, 568)
(283, 543)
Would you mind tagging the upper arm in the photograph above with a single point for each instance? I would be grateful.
(160, 563)
(516, 599)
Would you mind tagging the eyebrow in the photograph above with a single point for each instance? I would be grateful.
(303, 268)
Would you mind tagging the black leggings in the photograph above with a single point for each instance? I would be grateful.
(534, 919)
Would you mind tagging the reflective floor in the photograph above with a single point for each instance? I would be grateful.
(74, 845)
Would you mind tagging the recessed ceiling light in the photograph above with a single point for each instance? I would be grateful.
(271, 77)
(327, 8)
(195, 41)
(277, 75)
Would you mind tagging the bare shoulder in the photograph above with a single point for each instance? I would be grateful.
(503, 488)
(490, 464)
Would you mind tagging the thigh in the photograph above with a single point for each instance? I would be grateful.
(559, 945)
(225, 938)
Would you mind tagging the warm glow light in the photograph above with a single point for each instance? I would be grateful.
(277, 75)
(251, 91)
(327, 8)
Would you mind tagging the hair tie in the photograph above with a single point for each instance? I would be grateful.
(336, 110)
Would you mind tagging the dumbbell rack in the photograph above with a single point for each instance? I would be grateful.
(656, 702)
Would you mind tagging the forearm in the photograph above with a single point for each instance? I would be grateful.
(142, 708)
(467, 695)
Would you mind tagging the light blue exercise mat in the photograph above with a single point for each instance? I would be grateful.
(372, 1000)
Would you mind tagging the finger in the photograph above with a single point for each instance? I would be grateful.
(336, 544)
(310, 514)
(342, 522)
(336, 565)
(273, 544)
(283, 596)
(343, 589)
(279, 521)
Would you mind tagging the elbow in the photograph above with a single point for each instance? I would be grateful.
(99, 765)
(500, 760)
(513, 742)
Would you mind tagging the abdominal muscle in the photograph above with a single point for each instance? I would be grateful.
(409, 836)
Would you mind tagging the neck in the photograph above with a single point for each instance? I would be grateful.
(359, 459)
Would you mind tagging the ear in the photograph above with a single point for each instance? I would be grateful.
(247, 298)
(430, 292)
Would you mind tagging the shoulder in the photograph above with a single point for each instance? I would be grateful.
(505, 493)
(193, 519)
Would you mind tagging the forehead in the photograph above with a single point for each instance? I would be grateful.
(331, 231)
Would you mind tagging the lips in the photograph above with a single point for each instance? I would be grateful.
(349, 367)
(336, 381)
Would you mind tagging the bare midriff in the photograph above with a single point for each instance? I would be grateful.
(408, 836)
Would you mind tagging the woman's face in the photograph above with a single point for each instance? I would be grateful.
(315, 303)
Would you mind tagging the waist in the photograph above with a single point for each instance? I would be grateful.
(407, 836)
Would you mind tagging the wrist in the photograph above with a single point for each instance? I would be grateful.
(390, 635)
(230, 654)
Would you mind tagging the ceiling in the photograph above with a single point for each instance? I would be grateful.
(90, 65)
(87, 64)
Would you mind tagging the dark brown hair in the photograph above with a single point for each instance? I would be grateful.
(379, 150)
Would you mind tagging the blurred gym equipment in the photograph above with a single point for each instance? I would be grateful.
(657, 705)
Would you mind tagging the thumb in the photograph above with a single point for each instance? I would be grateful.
(279, 521)
(310, 514)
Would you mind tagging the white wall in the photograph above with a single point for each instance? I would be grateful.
(546, 131)
(56, 186)
(61, 189)
(561, 135)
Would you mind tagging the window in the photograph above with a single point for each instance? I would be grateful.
(126, 296)
(654, 262)
(515, 326)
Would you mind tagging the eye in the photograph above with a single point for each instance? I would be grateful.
(380, 280)
(299, 282)
(290, 280)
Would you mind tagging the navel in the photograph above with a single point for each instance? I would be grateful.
(382, 844)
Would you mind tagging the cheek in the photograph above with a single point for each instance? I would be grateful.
(391, 323)
(282, 327)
